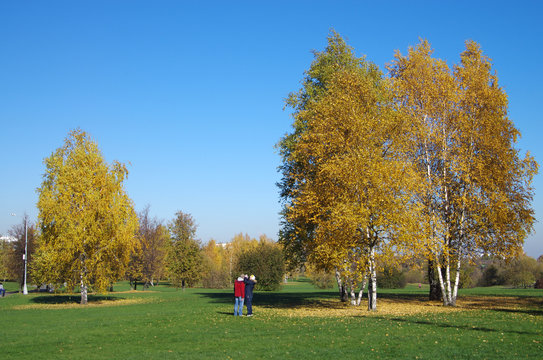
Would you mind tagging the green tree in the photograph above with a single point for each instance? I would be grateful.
(266, 262)
(185, 262)
(521, 272)
(87, 221)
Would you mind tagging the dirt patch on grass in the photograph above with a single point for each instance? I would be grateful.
(406, 307)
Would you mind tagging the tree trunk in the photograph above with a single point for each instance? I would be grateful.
(83, 281)
(442, 285)
(456, 281)
(435, 289)
(83, 292)
(341, 288)
(372, 289)
(359, 300)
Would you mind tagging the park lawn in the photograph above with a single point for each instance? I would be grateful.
(298, 322)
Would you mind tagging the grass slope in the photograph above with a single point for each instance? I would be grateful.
(298, 322)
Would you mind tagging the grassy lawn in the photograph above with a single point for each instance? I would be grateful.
(298, 322)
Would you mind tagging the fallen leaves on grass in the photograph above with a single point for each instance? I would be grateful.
(99, 303)
(398, 307)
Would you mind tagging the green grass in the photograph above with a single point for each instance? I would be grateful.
(198, 324)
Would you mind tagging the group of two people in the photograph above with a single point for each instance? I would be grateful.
(243, 293)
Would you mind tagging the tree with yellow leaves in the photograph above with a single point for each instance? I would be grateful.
(476, 189)
(87, 221)
(360, 194)
(297, 232)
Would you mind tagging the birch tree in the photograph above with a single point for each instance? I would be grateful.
(477, 188)
(87, 221)
(360, 193)
(295, 231)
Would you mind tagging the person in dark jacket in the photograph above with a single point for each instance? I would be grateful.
(249, 286)
(239, 295)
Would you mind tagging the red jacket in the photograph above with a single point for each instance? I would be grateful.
(239, 289)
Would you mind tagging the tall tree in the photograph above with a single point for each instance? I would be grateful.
(337, 56)
(476, 189)
(360, 195)
(87, 221)
(185, 258)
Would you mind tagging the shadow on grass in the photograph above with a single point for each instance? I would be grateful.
(282, 300)
(273, 299)
(456, 326)
(72, 299)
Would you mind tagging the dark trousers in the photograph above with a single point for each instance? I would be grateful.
(249, 304)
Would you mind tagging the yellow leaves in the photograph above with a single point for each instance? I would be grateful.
(85, 214)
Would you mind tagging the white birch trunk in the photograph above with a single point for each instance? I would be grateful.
(83, 291)
(448, 275)
(359, 300)
(83, 280)
(442, 285)
(339, 285)
(456, 281)
(372, 294)
(353, 295)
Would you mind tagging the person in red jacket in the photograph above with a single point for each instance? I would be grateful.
(239, 295)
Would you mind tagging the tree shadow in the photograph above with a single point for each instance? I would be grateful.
(455, 326)
(72, 299)
(273, 299)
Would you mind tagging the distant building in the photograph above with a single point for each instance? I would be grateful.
(8, 238)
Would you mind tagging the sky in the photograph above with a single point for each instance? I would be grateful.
(190, 94)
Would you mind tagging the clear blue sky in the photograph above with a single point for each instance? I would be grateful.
(191, 93)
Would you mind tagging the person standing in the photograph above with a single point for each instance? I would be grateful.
(249, 286)
(239, 295)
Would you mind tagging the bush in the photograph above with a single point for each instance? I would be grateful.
(216, 279)
(538, 284)
(391, 278)
(414, 276)
(322, 279)
(491, 276)
(266, 262)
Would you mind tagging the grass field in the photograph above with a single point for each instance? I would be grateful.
(299, 322)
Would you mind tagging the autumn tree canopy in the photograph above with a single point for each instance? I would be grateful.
(476, 185)
(422, 160)
(87, 221)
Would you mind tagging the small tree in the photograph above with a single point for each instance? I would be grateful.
(266, 262)
(154, 239)
(87, 221)
(217, 271)
(185, 258)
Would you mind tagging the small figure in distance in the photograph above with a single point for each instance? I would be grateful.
(249, 286)
(239, 295)
(2, 290)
